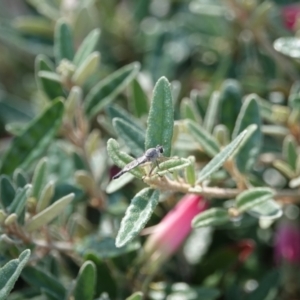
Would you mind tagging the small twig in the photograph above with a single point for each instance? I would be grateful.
(284, 196)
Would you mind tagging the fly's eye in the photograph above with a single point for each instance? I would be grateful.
(161, 149)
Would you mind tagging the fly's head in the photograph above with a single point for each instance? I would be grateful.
(160, 150)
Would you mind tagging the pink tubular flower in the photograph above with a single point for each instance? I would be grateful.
(290, 14)
(173, 229)
(287, 243)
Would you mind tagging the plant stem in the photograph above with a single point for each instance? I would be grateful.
(284, 196)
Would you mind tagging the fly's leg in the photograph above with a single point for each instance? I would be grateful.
(152, 168)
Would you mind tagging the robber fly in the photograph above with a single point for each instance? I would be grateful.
(151, 155)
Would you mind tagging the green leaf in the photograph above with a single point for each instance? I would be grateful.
(230, 103)
(171, 165)
(48, 214)
(10, 272)
(268, 210)
(189, 111)
(221, 134)
(249, 151)
(161, 117)
(289, 46)
(212, 112)
(137, 215)
(46, 8)
(39, 177)
(221, 157)
(290, 152)
(63, 42)
(108, 282)
(15, 128)
(19, 178)
(44, 281)
(33, 25)
(87, 47)
(121, 159)
(116, 185)
(46, 195)
(284, 168)
(211, 217)
(7, 191)
(49, 75)
(207, 142)
(32, 143)
(86, 69)
(85, 282)
(106, 90)
(190, 174)
(132, 136)
(18, 204)
(135, 296)
(250, 198)
(138, 100)
(294, 96)
(116, 111)
(52, 89)
(104, 247)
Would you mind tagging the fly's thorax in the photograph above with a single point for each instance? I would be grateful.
(152, 154)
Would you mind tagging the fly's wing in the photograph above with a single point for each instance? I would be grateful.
(131, 165)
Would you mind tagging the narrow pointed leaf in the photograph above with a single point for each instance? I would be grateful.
(189, 111)
(32, 143)
(85, 282)
(207, 142)
(290, 152)
(221, 134)
(284, 168)
(249, 114)
(116, 185)
(161, 117)
(19, 178)
(211, 217)
(137, 215)
(230, 103)
(18, 205)
(190, 173)
(48, 214)
(221, 157)
(139, 99)
(86, 69)
(49, 75)
(294, 96)
(39, 177)
(106, 90)
(132, 136)
(250, 198)
(171, 165)
(116, 111)
(87, 47)
(268, 210)
(63, 42)
(44, 281)
(52, 89)
(121, 159)
(212, 112)
(46, 195)
(7, 191)
(10, 272)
